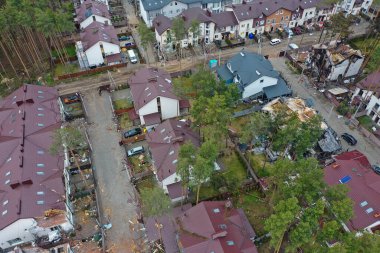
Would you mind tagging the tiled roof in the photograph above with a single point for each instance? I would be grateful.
(209, 226)
(30, 177)
(96, 32)
(164, 143)
(371, 82)
(162, 23)
(151, 5)
(149, 83)
(353, 169)
(91, 7)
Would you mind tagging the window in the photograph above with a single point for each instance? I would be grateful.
(262, 22)
(286, 17)
(364, 203)
(55, 228)
(5, 212)
(14, 241)
(40, 202)
(40, 152)
(171, 152)
(369, 210)
(361, 92)
(282, 18)
(171, 12)
(248, 26)
(207, 32)
(171, 4)
(177, 10)
(243, 25)
(223, 226)
(5, 202)
(40, 96)
(273, 21)
(175, 161)
(268, 21)
(175, 3)
(216, 210)
(40, 92)
(40, 165)
(262, 80)
(40, 193)
(277, 12)
(40, 109)
(40, 173)
(376, 107)
(8, 173)
(216, 36)
(230, 243)
(40, 114)
(257, 23)
(8, 181)
(40, 124)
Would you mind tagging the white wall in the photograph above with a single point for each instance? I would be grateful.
(169, 108)
(144, 14)
(90, 19)
(373, 113)
(307, 14)
(94, 53)
(19, 229)
(110, 48)
(170, 180)
(103, 1)
(149, 108)
(244, 27)
(341, 68)
(257, 86)
(173, 9)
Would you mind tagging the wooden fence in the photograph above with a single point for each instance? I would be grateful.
(91, 71)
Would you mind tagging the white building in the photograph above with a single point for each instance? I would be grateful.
(254, 76)
(164, 144)
(368, 91)
(98, 45)
(150, 9)
(354, 6)
(153, 97)
(92, 11)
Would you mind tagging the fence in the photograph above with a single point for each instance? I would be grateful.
(91, 71)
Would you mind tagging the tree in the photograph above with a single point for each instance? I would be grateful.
(147, 37)
(194, 30)
(186, 159)
(203, 165)
(259, 124)
(341, 24)
(179, 32)
(73, 140)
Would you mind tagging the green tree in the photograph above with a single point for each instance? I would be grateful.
(147, 38)
(203, 165)
(154, 202)
(341, 24)
(194, 30)
(186, 160)
(179, 31)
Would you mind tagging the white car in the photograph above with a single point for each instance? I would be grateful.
(293, 46)
(274, 42)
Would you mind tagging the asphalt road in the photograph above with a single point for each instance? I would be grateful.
(116, 192)
(325, 108)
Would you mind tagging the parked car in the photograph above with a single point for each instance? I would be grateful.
(293, 46)
(124, 37)
(274, 42)
(297, 30)
(129, 44)
(376, 169)
(349, 139)
(135, 151)
(132, 132)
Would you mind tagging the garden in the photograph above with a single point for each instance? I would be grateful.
(366, 46)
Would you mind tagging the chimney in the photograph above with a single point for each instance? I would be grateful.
(250, 8)
(244, 2)
(27, 181)
(260, 2)
(219, 235)
(208, 13)
(25, 88)
(19, 207)
(21, 164)
(14, 184)
(177, 139)
(336, 166)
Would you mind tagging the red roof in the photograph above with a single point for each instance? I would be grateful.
(164, 142)
(152, 119)
(207, 227)
(30, 178)
(91, 7)
(149, 83)
(371, 82)
(175, 190)
(354, 169)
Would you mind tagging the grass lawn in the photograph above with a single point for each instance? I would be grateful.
(366, 122)
(207, 191)
(257, 162)
(238, 123)
(365, 46)
(61, 69)
(148, 182)
(122, 104)
(137, 168)
(70, 50)
(124, 121)
(234, 167)
(256, 210)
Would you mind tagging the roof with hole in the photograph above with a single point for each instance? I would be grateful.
(149, 83)
(30, 177)
(354, 170)
(164, 143)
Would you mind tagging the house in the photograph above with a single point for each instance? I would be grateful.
(212, 26)
(164, 143)
(254, 75)
(336, 62)
(354, 7)
(62, 248)
(325, 11)
(150, 9)
(354, 170)
(210, 226)
(92, 11)
(373, 11)
(103, 1)
(368, 91)
(32, 193)
(153, 96)
(98, 46)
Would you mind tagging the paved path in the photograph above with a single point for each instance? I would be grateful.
(324, 106)
(113, 181)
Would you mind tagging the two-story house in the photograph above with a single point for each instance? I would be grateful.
(153, 96)
(368, 91)
(32, 190)
(164, 143)
(255, 77)
(150, 9)
(354, 7)
(98, 45)
(92, 11)
(277, 16)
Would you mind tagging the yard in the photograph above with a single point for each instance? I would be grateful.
(124, 121)
(238, 123)
(61, 69)
(148, 182)
(365, 46)
(122, 104)
(366, 122)
(70, 50)
(139, 164)
(234, 167)
(259, 165)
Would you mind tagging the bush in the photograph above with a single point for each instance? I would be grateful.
(343, 108)
(228, 42)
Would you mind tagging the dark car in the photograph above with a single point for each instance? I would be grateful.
(349, 139)
(376, 169)
(132, 132)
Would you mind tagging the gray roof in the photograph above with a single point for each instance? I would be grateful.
(278, 90)
(250, 67)
(162, 23)
(329, 142)
(151, 5)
